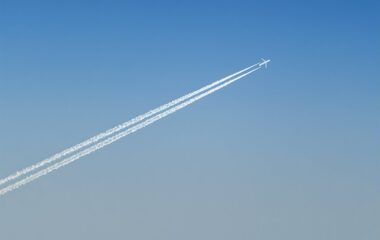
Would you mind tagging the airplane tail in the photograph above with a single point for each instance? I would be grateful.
(264, 62)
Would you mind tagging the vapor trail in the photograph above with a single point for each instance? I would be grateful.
(118, 136)
(115, 129)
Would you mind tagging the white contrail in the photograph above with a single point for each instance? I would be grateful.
(116, 137)
(116, 129)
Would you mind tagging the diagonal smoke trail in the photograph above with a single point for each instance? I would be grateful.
(116, 129)
(116, 137)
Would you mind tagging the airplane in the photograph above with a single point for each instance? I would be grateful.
(264, 62)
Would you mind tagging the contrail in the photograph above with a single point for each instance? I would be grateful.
(115, 129)
(118, 136)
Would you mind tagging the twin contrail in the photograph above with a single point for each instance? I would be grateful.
(160, 113)
(115, 129)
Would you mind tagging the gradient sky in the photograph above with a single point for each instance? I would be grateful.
(291, 152)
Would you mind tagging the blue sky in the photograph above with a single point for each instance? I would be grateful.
(291, 152)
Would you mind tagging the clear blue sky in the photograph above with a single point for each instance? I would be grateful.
(292, 152)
